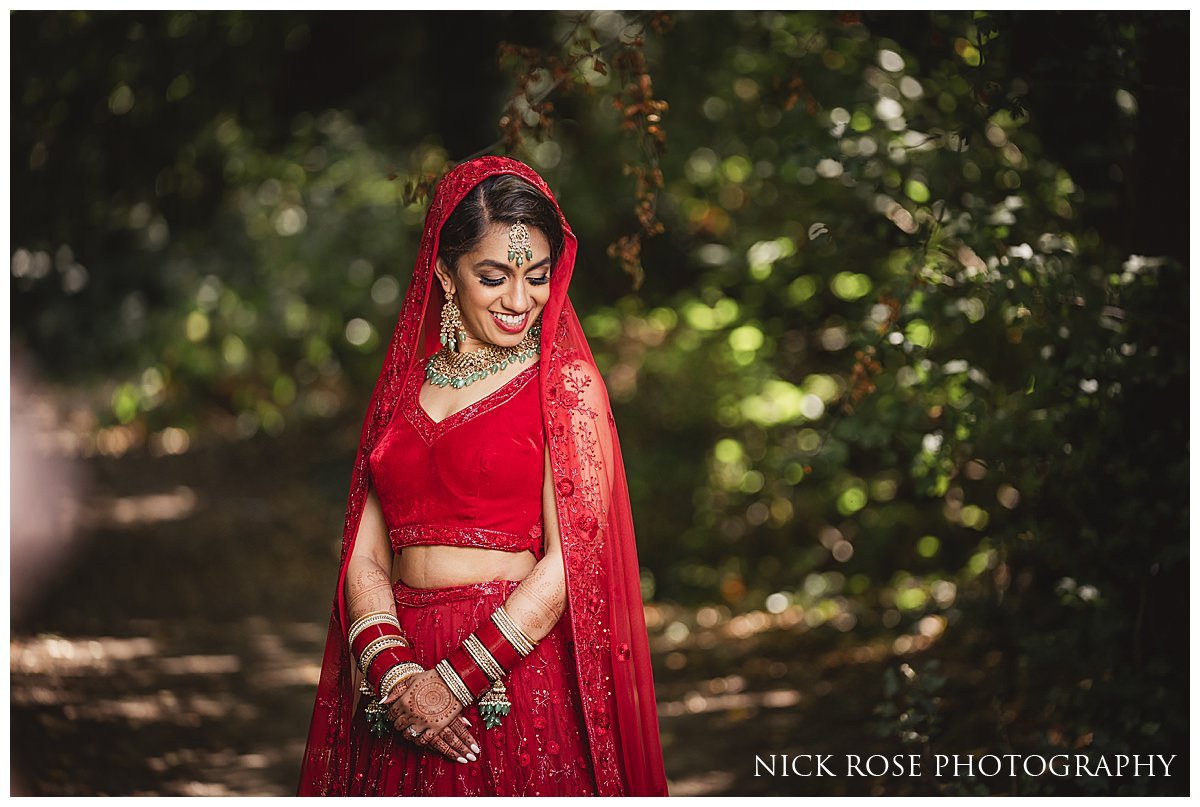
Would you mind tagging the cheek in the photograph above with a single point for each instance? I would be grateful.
(479, 298)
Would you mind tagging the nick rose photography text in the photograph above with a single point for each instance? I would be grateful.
(969, 765)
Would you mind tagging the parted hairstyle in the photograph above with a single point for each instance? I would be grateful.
(501, 199)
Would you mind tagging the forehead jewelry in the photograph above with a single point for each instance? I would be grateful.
(519, 248)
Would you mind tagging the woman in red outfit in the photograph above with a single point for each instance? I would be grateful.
(487, 634)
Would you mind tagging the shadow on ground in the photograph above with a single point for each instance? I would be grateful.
(176, 649)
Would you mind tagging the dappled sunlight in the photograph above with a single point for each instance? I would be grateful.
(695, 703)
(140, 511)
(892, 309)
(123, 688)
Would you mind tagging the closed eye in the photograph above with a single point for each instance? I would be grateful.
(496, 281)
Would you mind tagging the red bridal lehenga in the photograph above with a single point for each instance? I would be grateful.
(583, 718)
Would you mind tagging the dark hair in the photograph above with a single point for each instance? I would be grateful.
(501, 199)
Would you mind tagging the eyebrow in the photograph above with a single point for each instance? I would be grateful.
(488, 262)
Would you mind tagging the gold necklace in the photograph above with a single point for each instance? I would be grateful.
(462, 369)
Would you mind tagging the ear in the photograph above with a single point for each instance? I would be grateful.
(445, 277)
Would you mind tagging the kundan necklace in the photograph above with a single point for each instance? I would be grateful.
(461, 369)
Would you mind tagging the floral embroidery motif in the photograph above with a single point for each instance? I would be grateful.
(582, 492)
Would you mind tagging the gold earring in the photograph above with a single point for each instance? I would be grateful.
(452, 332)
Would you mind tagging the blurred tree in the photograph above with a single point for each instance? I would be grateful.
(910, 355)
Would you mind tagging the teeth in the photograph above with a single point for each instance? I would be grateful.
(509, 320)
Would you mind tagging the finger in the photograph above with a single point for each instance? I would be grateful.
(451, 739)
(442, 747)
(464, 734)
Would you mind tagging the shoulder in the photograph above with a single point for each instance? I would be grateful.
(583, 379)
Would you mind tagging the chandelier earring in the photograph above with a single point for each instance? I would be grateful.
(452, 331)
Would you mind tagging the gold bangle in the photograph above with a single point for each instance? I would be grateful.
(486, 661)
(373, 618)
(397, 674)
(454, 682)
(521, 642)
(375, 648)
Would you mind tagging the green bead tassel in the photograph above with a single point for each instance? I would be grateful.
(494, 705)
(377, 718)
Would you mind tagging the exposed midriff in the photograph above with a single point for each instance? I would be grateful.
(461, 497)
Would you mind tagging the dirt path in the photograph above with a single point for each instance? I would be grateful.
(176, 652)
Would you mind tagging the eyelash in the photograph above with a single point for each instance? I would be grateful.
(537, 281)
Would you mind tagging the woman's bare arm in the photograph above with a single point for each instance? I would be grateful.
(540, 599)
(368, 577)
(368, 590)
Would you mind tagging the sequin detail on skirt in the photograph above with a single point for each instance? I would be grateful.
(540, 748)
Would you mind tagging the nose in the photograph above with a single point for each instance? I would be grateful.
(517, 300)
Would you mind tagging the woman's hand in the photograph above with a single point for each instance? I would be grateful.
(454, 742)
(424, 711)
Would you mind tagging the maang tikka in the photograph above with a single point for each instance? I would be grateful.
(519, 247)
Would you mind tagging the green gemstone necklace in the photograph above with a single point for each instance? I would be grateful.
(462, 369)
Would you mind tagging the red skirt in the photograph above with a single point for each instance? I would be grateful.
(539, 749)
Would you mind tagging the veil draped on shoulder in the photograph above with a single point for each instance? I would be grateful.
(604, 603)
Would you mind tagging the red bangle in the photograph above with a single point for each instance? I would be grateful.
(470, 673)
(498, 645)
(372, 633)
(386, 660)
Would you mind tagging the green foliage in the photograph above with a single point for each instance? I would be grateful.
(896, 352)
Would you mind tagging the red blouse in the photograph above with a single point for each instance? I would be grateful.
(472, 479)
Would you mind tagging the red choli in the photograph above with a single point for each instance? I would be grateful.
(472, 479)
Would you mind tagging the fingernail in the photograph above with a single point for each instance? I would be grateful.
(463, 761)
(472, 757)
(474, 748)
(463, 719)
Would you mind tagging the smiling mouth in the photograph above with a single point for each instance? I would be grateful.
(510, 322)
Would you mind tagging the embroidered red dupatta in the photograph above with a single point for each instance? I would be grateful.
(604, 603)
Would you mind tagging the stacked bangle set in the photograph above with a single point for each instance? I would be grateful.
(385, 659)
(475, 668)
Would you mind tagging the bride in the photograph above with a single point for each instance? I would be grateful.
(487, 634)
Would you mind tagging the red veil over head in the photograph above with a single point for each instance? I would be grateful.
(604, 604)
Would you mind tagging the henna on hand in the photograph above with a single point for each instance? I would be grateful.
(460, 728)
(395, 692)
(450, 744)
(426, 702)
(431, 699)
